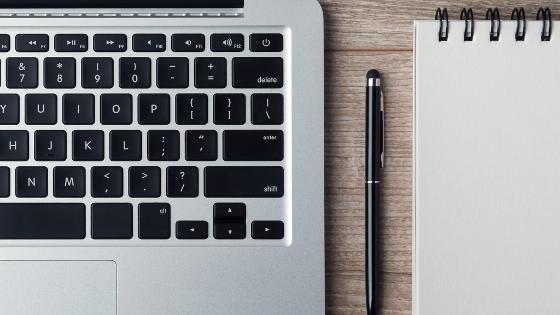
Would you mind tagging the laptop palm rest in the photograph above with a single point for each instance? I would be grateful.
(58, 287)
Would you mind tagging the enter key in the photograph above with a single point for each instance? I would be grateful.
(253, 145)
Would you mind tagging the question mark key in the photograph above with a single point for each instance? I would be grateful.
(182, 182)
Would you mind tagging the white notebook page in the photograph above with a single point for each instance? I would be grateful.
(487, 171)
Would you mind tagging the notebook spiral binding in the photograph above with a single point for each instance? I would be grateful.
(493, 15)
(468, 16)
(546, 16)
(519, 15)
(443, 18)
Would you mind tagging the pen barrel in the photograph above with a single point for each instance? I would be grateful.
(374, 149)
(373, 265)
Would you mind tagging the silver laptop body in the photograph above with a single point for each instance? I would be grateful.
(237, 230)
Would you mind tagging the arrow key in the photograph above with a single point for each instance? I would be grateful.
(230, 211)
(192, 230)
(229, 230)
(267, 230)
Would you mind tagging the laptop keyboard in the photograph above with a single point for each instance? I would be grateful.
(144, 136)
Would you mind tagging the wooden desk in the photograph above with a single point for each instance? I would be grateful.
(364, 34)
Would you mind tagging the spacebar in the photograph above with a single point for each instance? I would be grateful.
(24, 221)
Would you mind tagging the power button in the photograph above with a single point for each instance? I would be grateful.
(266, 42)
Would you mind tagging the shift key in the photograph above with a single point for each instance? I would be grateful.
(258, 73)
(244, 182)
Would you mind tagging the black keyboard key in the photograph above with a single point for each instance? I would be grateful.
(229, 109)
(109, 42)
(172, 73)
(42, 221)
(125, 145)
(154, 221)
(4, 42)
(244, 182)
(22, 73)
(266, 42)
(210, 73)
(182, 182)
(116, 109)
(153, 109)
(32, 42)
(135, 73)
(78, 109)
(59, 73)
(97, 73)
(202, 145)
(227, 42)
(4, 182)
(14, 145)
(191, 109)
(144, 182)
(230, 230)
(253, 145)
(267, 230)
(148, 42)
(230, 212)
(106, 182)
(163, 145)
(188, 42)
(191, 230)
(70, 42)
(88, 145)
(258, 73)
(50, 145)
(267, 109)
(111, 221)
(31, 182)
(69, 182)
(9, 109)
(40, 109)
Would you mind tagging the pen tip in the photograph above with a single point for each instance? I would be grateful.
(373, 74)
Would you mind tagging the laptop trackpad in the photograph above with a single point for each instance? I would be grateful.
(58, 287)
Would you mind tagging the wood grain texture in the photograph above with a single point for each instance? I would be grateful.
(345, 181)
(387, 24)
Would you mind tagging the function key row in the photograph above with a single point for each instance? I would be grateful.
(264, 42)
(136, 73)
(152, 109)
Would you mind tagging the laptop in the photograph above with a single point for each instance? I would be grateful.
(161, 157)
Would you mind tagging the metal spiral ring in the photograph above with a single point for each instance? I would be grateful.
(494, 16)
(519, 15)
(546, 16)
(443, 17)
(468, 16)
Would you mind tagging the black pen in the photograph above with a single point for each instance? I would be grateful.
(374, 164)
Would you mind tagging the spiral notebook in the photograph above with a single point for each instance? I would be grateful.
(487, 166)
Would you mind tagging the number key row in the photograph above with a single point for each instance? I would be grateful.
(136, 73)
